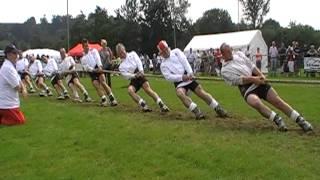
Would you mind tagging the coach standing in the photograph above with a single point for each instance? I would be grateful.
(10, 86)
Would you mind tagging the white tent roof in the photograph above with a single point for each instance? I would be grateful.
(50, 52)
(234, 39)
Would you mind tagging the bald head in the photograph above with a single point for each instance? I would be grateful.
(226, 51)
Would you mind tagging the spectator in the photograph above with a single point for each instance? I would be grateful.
(154, 62)
(205, 61)
(106, 56)
(191, 58)
(291, 61)
(312, 52)
(10, 86)
(258, 58)
(218, 61)
(282, 55)
(273, 53)
(298, 58)
(197, 66)
(211, 62)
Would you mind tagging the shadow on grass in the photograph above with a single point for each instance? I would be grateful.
(234, 123)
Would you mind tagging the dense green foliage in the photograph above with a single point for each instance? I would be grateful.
(140, 24)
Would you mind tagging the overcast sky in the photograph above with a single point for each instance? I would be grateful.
(284, 11)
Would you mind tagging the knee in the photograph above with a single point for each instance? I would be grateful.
(131, 90)
(96, 83)
(180, 94)
(254, 102)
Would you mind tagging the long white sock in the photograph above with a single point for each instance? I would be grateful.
(192, 106)
(294, 115)
(213, 103)
(158, 100)
(75, 94)
(142, 102)
(272, 115)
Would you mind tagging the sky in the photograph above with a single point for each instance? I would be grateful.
(283, 11)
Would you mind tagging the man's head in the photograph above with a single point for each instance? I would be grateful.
(164, 49)
(32, 58)
(63, 53)
(104, 43)
(226, 51)
(44, 58)
(121, 51)
(85, 45)
(11, 52)
(273, 43)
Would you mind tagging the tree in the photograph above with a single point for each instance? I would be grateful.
(44, 20)
(214, 21)
(255, 10)
(97, 22)
(130, 11)
(271, 23)
(159, 19)
(78, 29)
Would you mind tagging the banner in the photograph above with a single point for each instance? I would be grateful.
(312, 64)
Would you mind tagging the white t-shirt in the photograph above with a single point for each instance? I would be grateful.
(66, 63)
(22, 64)
(35, 68)
(130, 64)
(50, 67)
(91, 60)
(175, 66)
(9, 79)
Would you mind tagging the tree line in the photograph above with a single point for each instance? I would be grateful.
(140, 24)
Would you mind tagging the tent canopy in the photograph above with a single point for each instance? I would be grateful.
(50, 52)
(237, 40)
(78, 50)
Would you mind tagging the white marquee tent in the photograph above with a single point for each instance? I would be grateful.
(237, 40)
(50, 52)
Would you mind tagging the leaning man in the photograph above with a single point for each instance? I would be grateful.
(10, 86)
(239, 71)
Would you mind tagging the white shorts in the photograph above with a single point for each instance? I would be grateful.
(291, 66)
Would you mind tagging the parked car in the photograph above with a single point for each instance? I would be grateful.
(1, 57)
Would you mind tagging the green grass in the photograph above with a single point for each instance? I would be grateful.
(65, 140)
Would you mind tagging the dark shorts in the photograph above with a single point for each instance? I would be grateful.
(192, 86)
(55, 78)
(94, 76)
(258, 64)
(73, 76)
(138, 82)
(23, 75)
(261, 91)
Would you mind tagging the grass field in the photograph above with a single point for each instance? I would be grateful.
(66, 140)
